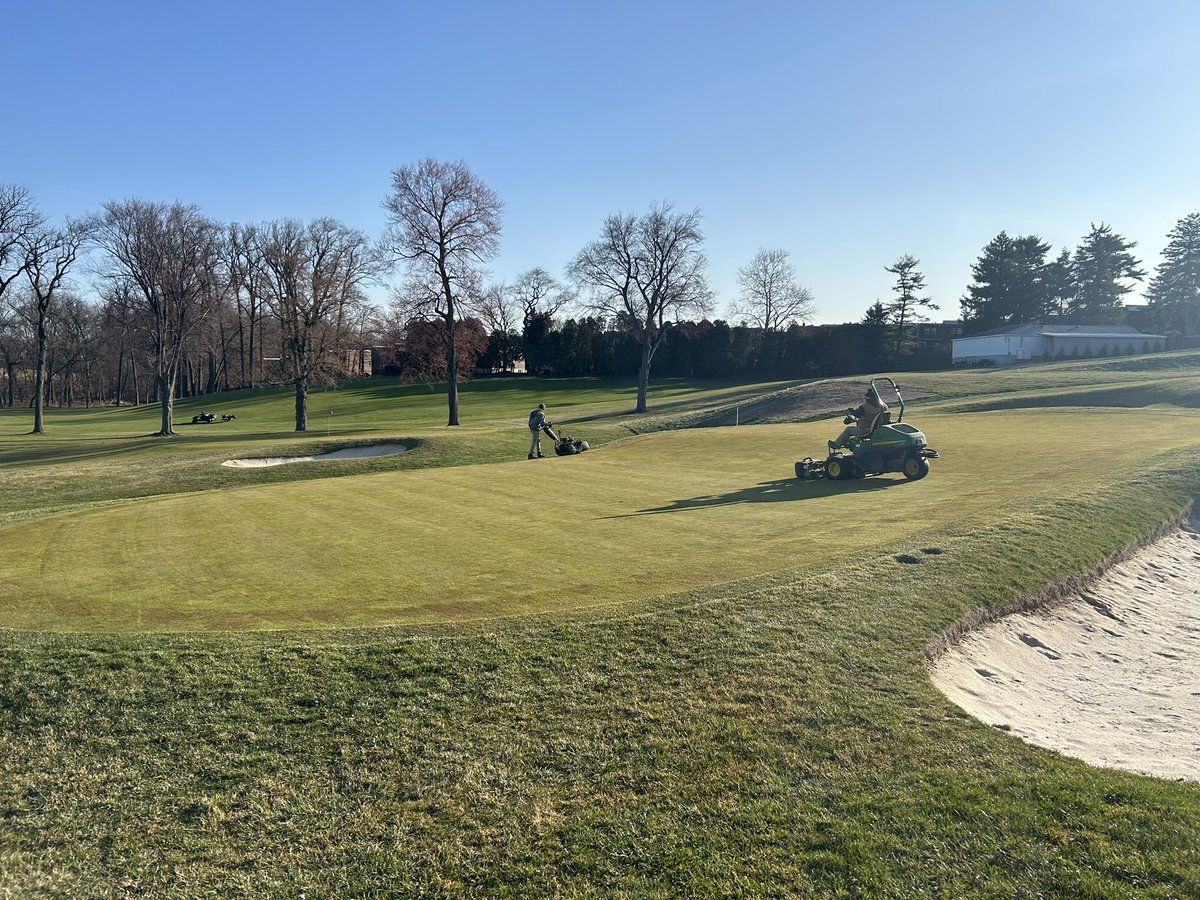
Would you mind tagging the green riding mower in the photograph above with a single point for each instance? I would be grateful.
(889, 446)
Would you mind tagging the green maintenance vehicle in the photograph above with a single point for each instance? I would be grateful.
(890, 446)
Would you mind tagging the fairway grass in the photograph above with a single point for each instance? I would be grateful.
(705, 677)
(654, 515)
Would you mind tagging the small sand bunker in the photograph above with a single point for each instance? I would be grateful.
(1112, 677)
(346, 453)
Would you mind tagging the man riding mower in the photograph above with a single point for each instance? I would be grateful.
(875, 443)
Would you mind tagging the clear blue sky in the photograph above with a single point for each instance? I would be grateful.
(846, 133)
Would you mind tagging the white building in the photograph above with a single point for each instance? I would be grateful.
(1020, 343)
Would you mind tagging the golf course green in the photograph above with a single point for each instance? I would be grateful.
(664, 666)
(651, 516)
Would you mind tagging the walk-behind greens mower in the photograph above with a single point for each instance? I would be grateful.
(564, 446)
(888, 447)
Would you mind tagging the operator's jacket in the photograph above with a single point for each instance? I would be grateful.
(865, 415)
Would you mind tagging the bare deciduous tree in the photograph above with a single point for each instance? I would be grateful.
(246, 280)
(168, 255)
(539, 293)
(445, 223)
(771, 296)
(501, 311)
(315, 277)
(19, 220)
(642, 271)
(49, 255)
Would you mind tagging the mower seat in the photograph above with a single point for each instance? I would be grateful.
(881, 418)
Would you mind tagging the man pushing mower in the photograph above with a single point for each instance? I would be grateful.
(563, 446)
(537, 419)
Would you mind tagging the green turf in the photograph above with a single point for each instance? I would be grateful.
(762, 729)
(653, 515)
(101, 455)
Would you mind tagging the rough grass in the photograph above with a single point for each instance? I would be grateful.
(773, 735)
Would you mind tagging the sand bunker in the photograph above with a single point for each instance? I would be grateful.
(347, 453)
(1112, 677)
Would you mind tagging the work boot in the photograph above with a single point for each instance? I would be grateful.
(531, 456)
(541, 456)
(832, 446)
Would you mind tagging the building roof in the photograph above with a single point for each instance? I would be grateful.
(1060, 330)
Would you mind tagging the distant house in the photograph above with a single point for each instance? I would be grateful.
(1033, 340)
(937, 337)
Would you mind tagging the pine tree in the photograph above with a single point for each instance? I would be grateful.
(1010, 284)
(904, 310)
(1059, 285)
(874, 333)
(1102, 268)
(1174, 291)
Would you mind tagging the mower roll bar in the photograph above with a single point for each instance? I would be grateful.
(895, 387)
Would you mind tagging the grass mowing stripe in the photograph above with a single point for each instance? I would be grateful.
(652, 516)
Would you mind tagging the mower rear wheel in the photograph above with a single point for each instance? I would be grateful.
(915, 468)
(836, 469)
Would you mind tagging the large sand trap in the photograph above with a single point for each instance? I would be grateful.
(1111, 677)
(347, 453)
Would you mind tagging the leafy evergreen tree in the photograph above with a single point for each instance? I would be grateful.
(1174, 291)
(1010, 285)
(1102, 268)
(904, 310)
(1059, 284)
(874, 333)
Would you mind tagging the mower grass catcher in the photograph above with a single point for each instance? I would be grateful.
(888, 447)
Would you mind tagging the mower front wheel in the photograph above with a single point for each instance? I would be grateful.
(915, 468)
(837, 469)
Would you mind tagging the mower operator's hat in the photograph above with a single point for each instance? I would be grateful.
(541, 406)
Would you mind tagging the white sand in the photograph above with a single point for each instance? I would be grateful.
(1112, 677)
(347, 453)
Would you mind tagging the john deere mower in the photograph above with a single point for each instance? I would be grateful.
(890, 446)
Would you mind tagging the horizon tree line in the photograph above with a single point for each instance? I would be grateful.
(185, 305)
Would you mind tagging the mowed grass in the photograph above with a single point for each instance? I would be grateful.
(654, 515)
(770, 732)
(97, 456)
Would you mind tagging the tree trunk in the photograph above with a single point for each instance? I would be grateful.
(166, 399)
(643, 373)
(120, 373)
(451, 371)
(39, 381)
(302, 404)
(241, 350)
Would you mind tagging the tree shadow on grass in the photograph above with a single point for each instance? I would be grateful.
(781, 490)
